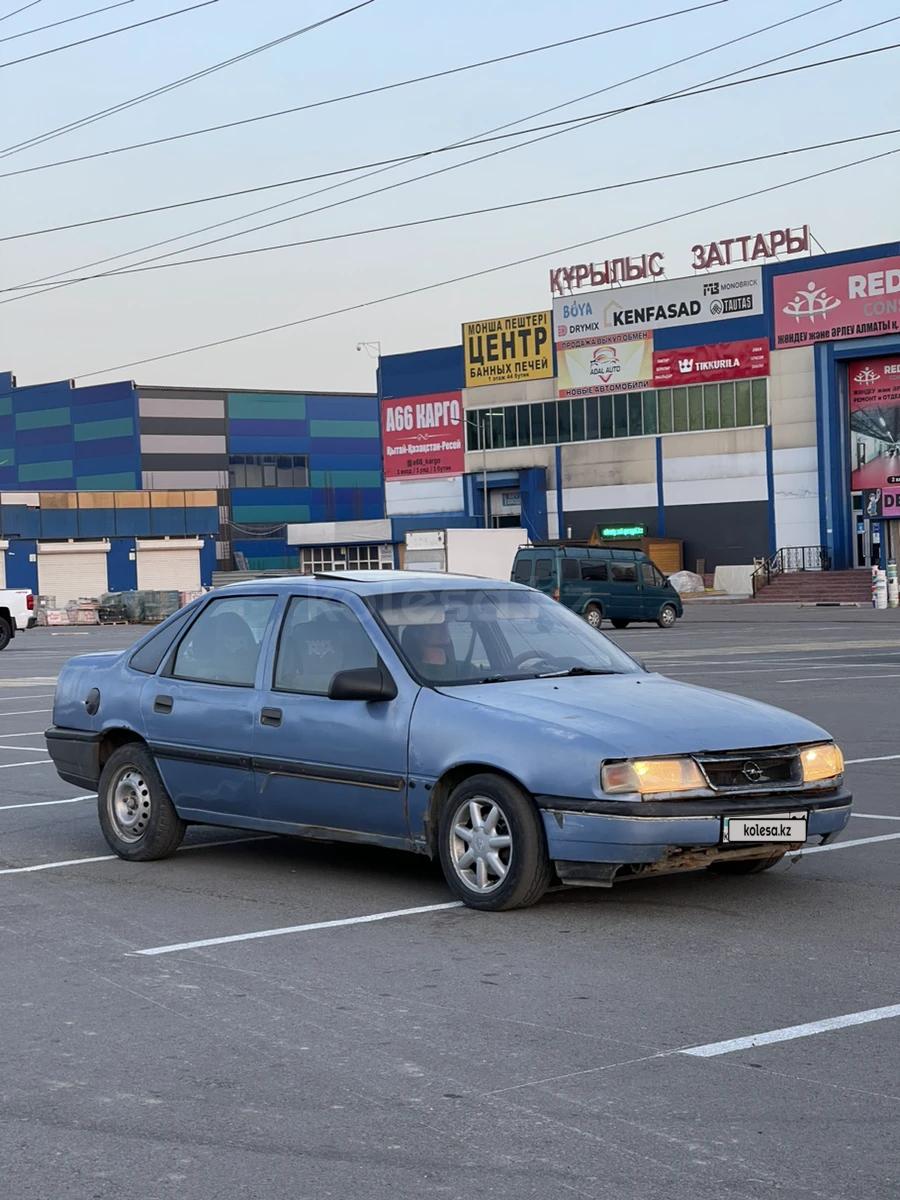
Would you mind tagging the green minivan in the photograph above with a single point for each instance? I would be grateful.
(600, 583)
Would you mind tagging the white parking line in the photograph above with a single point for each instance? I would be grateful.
(837, 678)
(77, 862)
(46, 803)
(884, 837)
(24, 712)
(15, 749)
(267, 933)
(712, 1049)
(26, 696)
(875, 816)
(26, 681)
(878, 758)
(30, 733)
(32, 762)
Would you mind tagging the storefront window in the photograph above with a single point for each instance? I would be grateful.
(620, 416)
(606, 416)
(524, 424)
(726, 404)
(743, 410)
(551, 434)
(473, 441)
(680, 407)
(564, 416)
(510, 426)
(711, 406)
(578, 420)
(664, 406)
(650, 422)
(592, 418)
(760, 402)
(538, 437)
(695, 408)
(635, 414)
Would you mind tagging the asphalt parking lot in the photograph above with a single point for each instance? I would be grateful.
(598, 1045)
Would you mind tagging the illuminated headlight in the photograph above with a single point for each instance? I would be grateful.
(821, 762)
(652, 776)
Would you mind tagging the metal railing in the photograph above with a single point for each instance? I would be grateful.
(790, 559)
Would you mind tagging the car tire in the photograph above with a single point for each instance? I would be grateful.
(593, 614)
(745, 866)
(136, 814)
(618, 623)
(5, 633)
(667, 616)
(512, 874)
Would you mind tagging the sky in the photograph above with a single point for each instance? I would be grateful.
(90, 331)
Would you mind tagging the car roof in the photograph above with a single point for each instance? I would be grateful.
(370, 583)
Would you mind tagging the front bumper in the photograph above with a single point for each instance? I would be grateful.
(591, 841)
(76, 755)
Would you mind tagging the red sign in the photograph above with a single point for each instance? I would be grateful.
(860, 299)
(749, 247)
(874, 383)
(422, 436)
(711, 364)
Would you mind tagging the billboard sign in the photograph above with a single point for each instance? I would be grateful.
(422, 436)
(661, 305)
(508, 349)
(874, 391)
(622, 362)
(860, 299)
(711, 364)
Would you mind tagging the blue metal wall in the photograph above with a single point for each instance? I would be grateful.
(55, 436)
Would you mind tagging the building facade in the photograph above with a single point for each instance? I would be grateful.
(736, 427)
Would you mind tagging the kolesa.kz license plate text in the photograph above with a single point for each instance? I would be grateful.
(777, 827)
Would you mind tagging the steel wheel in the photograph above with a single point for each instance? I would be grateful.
(481, 846)
(667, 616)
(129, 804)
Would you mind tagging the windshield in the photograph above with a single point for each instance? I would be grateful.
(490, 636)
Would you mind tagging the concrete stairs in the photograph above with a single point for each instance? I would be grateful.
(818, 587)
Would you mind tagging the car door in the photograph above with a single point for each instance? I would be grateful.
(655, 588)
(198, 712)
(331, 765)
(624, 591)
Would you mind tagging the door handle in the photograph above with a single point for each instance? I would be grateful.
(270, 716)
(163, 704)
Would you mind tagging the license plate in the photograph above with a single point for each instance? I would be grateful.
(774, 827)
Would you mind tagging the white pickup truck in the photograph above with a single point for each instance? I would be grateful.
(16, 613)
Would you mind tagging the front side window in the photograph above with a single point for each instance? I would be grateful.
(648, 574)
(223, 644)
(318, 639)
(624, 572)
(486, 635)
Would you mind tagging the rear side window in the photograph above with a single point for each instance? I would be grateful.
(543, 568)
(570, 568)
(597, 572)
(624, 572)
(522, 571)
(223, 644)
(148, 658)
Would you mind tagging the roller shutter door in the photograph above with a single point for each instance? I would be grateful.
(72, 570)
(169, 566)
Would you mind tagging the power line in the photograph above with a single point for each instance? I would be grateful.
(13, 62)
(477, 212)
(402, 183)
(24, 8)
(65, 21)
(60, 130)
(386, 87)
(429, 287)
(12, 237)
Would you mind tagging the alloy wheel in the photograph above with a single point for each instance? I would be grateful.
(481, 846)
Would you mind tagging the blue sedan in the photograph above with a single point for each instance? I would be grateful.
(475, 722)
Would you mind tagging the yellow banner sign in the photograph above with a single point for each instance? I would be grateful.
(596, 366)
(508, 349)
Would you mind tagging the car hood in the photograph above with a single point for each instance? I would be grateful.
(644, 714)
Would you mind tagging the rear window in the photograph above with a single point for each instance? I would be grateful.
(624, 572)
(596, 571)
(148, 658)
(522, 570)
(543, 568)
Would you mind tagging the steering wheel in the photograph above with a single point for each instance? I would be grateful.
(537, 656)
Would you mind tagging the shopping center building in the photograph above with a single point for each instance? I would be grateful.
(732, 412)
(738, 411)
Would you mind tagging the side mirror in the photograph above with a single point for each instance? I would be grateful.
(364, 683)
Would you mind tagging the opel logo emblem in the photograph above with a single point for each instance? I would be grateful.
(752, 772)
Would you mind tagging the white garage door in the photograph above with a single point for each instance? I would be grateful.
(72, 570)
(169, 565)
